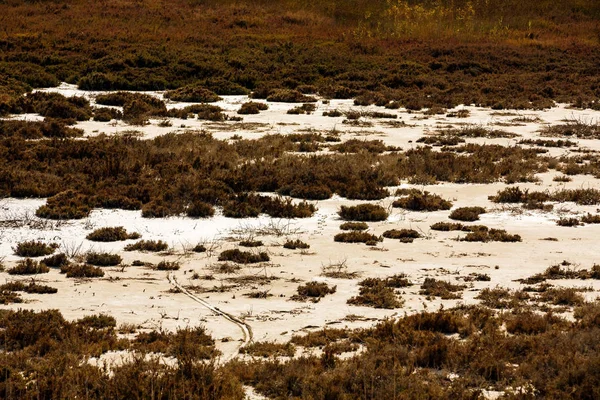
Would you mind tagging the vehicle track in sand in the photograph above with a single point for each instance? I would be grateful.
(244, 327)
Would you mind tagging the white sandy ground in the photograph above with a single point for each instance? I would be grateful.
(142, 297)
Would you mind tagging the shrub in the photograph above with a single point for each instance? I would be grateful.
(167, 266)
(562, 297)
(591, 219)
(65, 205)
(568, 222)
(467, 213)
(252, 108)
(401, 234)
(55, 261)
(243, 257)
(200, 209)
(310, 192)
(363, 212)
(436, 288)
(192, 94)
(251, 243)
(269, 349)
(32, 288)
(82, 271)
(315, 289)
(199, 248)
(492, 235)
(303, 109)
(111, 234)
(289, 96)
(354, 226)
(501, 298)
(147, 245)
(423, 201)
(9, 297)
(295, 244)
(28, 267)
(100, 321)
(376, 295)
(103, 259)
(356, 237)
(447, 226)
(34, 249)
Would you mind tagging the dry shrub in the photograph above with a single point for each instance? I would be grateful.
(103, 259)
(357, 237)
(363, 212)
(295, 244)
(289, 96)
(568, 222)
(251, 243)
(591, 219)
(243, 257)
(467, 213)
(28, 267)
(55, 261)
(502, 298)
(147, 245)
(192, 94)
(200, 209)
(303, 109)
(423, 201)
(491, 235)
(561, 297)
(376, 293)
(401, 234)
(269, 349)
(167, 266)
(65, 205)
(34, 249)
(111, 234)
(436, 288)
(81, 271)
(354, 226)
(252, 107)
(315, 290)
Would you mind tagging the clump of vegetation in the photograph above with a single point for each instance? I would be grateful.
(81, 271)
(502, 298)
(562, 271)
(55, 261)
(491, 235)
(147, 245)
(28, 267)
(405, 235)
(474, 131)
(103, 259)
(295, 244)
(243, 257)
(192, 94)
(65, 205)
(32, 288)
(569, 222)
(359, 146)
(422, 201)
(357, 237)
(363, 212)
(314, 290)
(437, 288)
(289, 96)
(251, 243)
(591, 219)
(354, 226)
(111, 234)
(441, 140)
(200, 209)
(467, 213)
(252, 107)
(303, 109)
(167, 266)
(269, 349)
(34, 249)
(377, 293)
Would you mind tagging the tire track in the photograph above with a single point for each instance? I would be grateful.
(244, 327)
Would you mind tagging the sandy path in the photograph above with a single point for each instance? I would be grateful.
(245, 328)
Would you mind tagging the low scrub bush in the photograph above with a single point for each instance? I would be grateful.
(289, 96)
(103, 259)
(269, 349)
(167, 266)
(363, 212)
(375, 293)
(252, 107)
(34, 249)
(303, 109)
(147, 245)
(192, 94)
(436, 288)
(251, 243)
(82, 271)
(111, 234)
(357, 237)
(28, 267)
(569, 222)
(295, 244)
(358, 146)
(502, 298)
(491, 235)
(401, 234)
(354, 226)
(243, 257)
(467, 213)
(591, 219)
(423, 201)
(65, 205)
(200, 209)
(315, 290)
(32, 288)
(55, 261)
